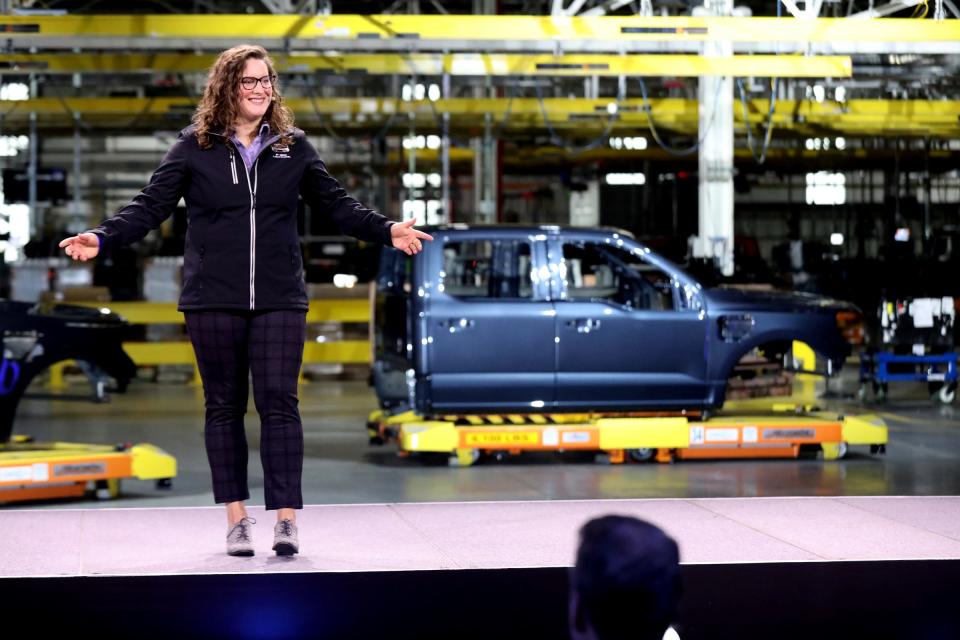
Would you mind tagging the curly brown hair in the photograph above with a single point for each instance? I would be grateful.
(220, 104)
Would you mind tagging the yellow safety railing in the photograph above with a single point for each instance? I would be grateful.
(353, 310)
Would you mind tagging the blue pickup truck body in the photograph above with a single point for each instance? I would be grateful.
(540, 319)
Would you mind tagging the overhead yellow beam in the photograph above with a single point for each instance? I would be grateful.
(938, 118)
(462, 64)
(551, 155)
(649, 65)
(605, 29)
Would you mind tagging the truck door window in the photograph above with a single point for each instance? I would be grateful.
(487, 269)
(599, 272)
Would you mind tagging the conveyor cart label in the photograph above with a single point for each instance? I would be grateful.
(723, 435)
(501, 438)
(38, 472)
(789, 434)
(697, 435)
(16, 474)
(80, 469)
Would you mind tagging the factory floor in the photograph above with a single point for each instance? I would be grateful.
(340, 467)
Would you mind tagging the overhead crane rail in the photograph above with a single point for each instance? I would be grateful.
(454, 64)
(487, 33)
(901, 118)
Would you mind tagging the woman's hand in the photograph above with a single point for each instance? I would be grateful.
(406, 238)
(81, 247)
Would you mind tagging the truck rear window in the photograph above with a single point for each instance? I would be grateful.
(394, 273)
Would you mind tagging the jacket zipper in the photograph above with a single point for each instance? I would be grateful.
(253, 209)
(253, 230)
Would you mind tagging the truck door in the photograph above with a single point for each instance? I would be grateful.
(490, 325)
(628, 337)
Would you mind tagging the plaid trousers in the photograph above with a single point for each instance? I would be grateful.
(268, 344)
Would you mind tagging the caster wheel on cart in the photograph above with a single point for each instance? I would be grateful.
(947, 393)
(641, 455)
(880, 391)
(463, 457)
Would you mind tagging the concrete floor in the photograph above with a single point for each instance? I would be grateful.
(923, 457)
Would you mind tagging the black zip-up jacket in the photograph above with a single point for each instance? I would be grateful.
(242, 249)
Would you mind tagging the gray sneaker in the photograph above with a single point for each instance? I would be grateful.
(239, 542)
(285, 538)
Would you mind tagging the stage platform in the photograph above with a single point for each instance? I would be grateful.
(753, 567)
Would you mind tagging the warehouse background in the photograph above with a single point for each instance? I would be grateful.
(762, 145)
(852, 163)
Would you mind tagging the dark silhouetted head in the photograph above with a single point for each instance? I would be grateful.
(626, 582)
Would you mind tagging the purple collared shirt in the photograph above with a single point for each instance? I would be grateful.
(249, 154)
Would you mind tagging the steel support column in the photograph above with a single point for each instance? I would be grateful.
(715, 95)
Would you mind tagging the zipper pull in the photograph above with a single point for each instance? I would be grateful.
(233, 168)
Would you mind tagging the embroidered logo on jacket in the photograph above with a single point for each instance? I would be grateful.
(280, 150)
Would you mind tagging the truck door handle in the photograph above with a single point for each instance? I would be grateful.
(456, 325)
(584, 325)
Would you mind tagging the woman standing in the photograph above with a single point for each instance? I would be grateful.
(240, 167)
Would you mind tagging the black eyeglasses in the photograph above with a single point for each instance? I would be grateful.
(248, 82)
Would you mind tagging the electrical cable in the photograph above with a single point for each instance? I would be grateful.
(506, 114)
(768, 133)
(437, 116)
(342, 139)
(556, 139)
(656, 136)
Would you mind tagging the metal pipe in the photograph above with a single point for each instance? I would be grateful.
(36, 221)
(411, 163)
(445, 156)
(927, 230)
(77, 142)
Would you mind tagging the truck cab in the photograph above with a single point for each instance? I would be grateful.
(528, 319)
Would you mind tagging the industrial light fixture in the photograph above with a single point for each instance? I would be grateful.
(424, 211)
(15, 220)
(817, 144)
(621, 179)
(344, 280)
(418, 91)
(421, 142)
(12, 145)
(14, 91)
(414, 181)
(633, 143)
(826, 188)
